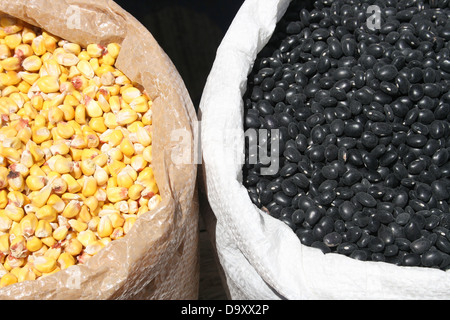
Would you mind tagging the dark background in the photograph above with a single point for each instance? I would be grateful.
(189, 31)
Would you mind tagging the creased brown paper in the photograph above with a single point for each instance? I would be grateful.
(158, 258)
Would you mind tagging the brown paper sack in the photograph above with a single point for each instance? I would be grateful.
(158, 258)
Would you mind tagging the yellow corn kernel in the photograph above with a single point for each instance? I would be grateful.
(34, 244)
(98, 124)
(14, 213)
(32, 64)
(13, 93)
(38, 45)
(49, 241)
(60, 233)
(80, 114)
(116, 194)
(86, 69)
(113, 49)
(69, 112)
(89, 186)
(78, 225)
(59, 149)
(129, 222)
(86, 237)
(51, 67)
(115, 138)
(17, 198)
(127, 147)
(18, 247)
(35, 151)
(67, 59)
(11, 64)
(100, 175)
(63, 165)
(65, 130)
(5, 51)
(48, 84)
(72, 48)
(3, 199)
(66, 260)
(11, 78)
(15, 271)
(72, 209)
(94, 247)
(41, 197)
(125, 179)
(11, 154)
(114, 167)
(116, 219)
(93, 109)
(8, 279)
(47, 213)
(95, 50)
(13, 40)
(43, 229)
(40, 134)
(5, 221)
(89, 154)
(73, 247)
(50, 44)
(130, 93)
(93, 223)
(140, 104)
(105, 67)
(59, 185)
(25, 273)
(88, 167)
(147, 154)
(126, 116)
(4, 243)
(138, 163)
(29, 224)
(105, 227)
(45, 264)
(35, 170)
(14, 231)
(84, 215)
(23, 51)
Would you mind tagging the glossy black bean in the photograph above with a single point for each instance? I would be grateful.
(439, 190)
(411, 260)
(431, 258)
(386, 73)
(365, 199)
(381, 129)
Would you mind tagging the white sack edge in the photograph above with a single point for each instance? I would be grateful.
(261, 257)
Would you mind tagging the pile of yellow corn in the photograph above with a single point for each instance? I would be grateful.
(75, 152)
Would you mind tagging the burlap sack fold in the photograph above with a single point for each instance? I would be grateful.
(158, 258)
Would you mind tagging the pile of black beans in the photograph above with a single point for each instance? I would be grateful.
(364, 137)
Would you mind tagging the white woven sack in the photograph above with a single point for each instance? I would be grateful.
(261, 257)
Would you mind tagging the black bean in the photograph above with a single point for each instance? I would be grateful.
(381, 129)
(411, 260)
(439, 190)
(346, 248)
(386, 73)
(332, 239)
(431, 258)
(366, 199)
